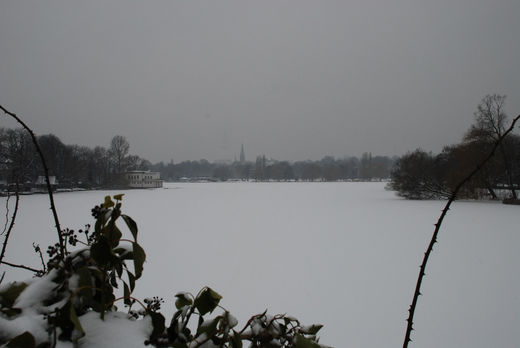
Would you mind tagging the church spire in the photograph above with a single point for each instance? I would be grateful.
(242, 155)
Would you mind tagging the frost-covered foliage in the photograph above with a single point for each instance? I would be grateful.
(74, 301)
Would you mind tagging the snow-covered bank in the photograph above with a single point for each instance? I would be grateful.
(345, 255)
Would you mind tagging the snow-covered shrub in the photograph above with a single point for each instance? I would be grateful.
(74, 301)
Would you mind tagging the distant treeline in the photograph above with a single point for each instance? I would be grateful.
(72, 165)
(81, 166)
(416, 175)
(367, 167)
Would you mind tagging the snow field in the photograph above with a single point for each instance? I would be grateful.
(345, 255)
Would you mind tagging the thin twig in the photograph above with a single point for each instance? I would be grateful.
(38, 250)
(46, 172)
(125, 298)
(256, 316)
(39, 271)
(452, 198)
(11, 225)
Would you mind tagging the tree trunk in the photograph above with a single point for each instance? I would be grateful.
(490, 190)
(508, 172)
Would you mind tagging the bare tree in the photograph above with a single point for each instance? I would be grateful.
(490, 120)
(119, 148)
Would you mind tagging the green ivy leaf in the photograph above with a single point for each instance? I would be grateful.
(207, 301)
(124, 253)
(182, 300)
(25, 340)
(157, 323)
(302, 342)
(131, 280)
(119, 268)
(99, 224)
(126, 294)
(132, 226)
(235, 340)
(180, 345)
(108, 202)
(312, 329)
(209, 328)
(139, 258)
(113, 279)
(113, 234)
(74, 319)
(84, 282)
(9, 295)
(101, 251)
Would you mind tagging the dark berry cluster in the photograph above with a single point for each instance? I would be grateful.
(70, 236)
(86, 231)
(153, 304)
(53, 250)
(97, 211)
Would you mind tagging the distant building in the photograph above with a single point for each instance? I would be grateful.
(40, 185)
(143, 179)
(42, 182)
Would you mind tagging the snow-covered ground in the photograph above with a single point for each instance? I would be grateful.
(345, 255)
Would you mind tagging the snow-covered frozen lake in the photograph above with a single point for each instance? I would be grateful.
(345, 255)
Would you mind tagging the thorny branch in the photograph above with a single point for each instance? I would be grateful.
(11, 225)
(452, 198)
(46, 172)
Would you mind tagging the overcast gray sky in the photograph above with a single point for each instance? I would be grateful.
(292, 79)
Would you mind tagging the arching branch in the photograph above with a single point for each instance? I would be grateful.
(46, 172)
(452, 198)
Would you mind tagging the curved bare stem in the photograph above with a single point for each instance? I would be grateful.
(46, 172)
(453, 196)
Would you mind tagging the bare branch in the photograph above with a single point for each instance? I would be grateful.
(38, 250)
(6, 212)
(37, 271)
(452, 198)
(11, 225)
(46, 172)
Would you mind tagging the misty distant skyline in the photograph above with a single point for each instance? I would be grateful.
(294, 80)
